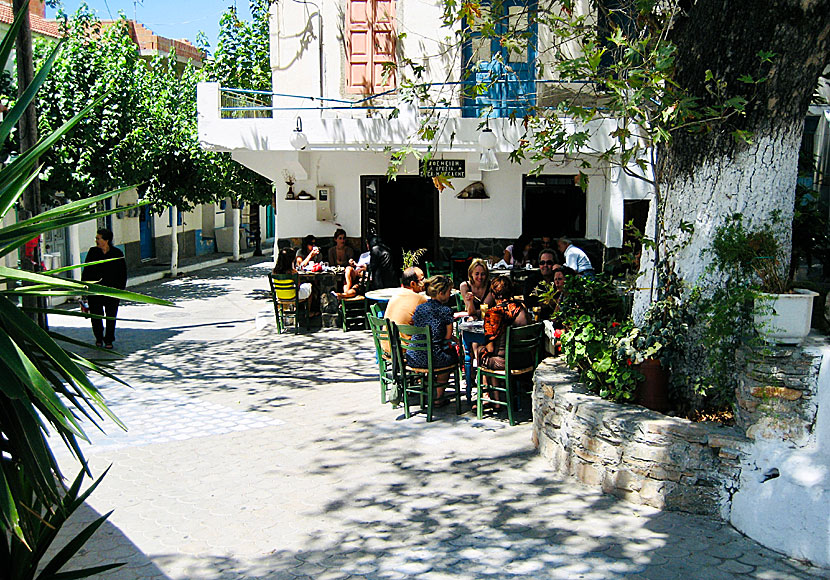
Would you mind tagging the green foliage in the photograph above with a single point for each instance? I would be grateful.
(412, 257)
(590, 311)
(40, 378)
(241, 59)
(591, 347)
(664, 327)
(751, 255)
(42, 522)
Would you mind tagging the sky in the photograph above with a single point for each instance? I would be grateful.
(169, 18)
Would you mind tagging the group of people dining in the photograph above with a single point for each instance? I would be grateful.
(499, 302)
(373, 268)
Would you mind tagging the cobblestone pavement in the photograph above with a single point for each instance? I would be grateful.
(256, 455)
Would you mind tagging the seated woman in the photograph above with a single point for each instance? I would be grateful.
(560, 275)
(475, 291)
(285, 265)
(354, 278)
(506, 313)
(341, 253)
(438, 317)
(519, 252)
(309, 252)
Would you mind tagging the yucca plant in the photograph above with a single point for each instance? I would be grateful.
(44, 387)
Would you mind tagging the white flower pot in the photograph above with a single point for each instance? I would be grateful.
(784, 318)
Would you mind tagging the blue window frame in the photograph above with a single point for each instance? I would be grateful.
(508, 76)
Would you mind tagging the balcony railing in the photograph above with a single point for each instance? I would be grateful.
(492, 100)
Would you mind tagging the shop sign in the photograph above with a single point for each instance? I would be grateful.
(446, 167)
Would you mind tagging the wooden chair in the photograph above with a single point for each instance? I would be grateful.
(374, 310)
(286, 297)
(423, 382)
(353, 313)
(390, 391)
(521, 359)
(433, 269)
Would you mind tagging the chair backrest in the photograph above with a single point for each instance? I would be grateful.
(408, 338)
(375, 311)
(380, 333)
(523, 345)
(284, 286)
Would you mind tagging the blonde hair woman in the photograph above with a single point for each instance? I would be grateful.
(438, 317)
(475, 291)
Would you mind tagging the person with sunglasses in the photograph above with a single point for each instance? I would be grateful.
(309, 252)
(533, 285)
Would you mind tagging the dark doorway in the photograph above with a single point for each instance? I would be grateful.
(635, 212)
(553, 205)
(404, 212)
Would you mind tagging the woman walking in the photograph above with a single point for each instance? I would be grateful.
(112, 274)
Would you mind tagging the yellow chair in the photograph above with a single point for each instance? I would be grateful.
(286, 297)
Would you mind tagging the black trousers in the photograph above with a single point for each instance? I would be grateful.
(104, 306)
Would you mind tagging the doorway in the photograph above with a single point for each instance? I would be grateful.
(147, 245)
(552, 205)
(403, 212)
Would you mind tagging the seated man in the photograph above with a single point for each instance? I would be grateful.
(534, 286)
(401, 308)
(575, 258)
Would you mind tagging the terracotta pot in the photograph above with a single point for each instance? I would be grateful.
(653, 391)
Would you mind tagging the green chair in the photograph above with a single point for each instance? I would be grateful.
(523, 352)
(390, 391)
(374, 310)
(286, 297)
(353, 313)
(422, 382)
(433, 269)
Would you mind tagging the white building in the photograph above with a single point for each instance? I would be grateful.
(326, 58)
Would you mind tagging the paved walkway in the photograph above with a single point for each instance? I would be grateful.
(255, 455)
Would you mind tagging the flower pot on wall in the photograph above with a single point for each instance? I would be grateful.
(653, 391)
(784, 318)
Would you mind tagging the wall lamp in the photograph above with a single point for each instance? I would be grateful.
(298, 139)
(487, 140)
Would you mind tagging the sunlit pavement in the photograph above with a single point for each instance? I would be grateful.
(256, 455)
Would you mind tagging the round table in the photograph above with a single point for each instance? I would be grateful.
(385, 294)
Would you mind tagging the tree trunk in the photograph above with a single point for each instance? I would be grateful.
(236, 221)
(174, 242)
(705, 177)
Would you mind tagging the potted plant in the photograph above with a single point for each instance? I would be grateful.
(782, 314)
(650, 345)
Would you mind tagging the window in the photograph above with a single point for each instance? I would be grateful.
(370, 45)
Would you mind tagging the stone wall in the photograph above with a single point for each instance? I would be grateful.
(633, 453)
(777, 393)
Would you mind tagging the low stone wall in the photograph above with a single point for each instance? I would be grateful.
(633, 453)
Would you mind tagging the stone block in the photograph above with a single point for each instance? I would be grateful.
(680, 428)
(775, 392)
(586, 473)
(624, 480)
(655, 492)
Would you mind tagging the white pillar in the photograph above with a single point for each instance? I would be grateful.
(75, 250)
(237, 218)
(174, 242)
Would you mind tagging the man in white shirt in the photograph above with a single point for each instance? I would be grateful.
(575, 258)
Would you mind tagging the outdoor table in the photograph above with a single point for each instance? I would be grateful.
(384, 294)
(325, 283)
